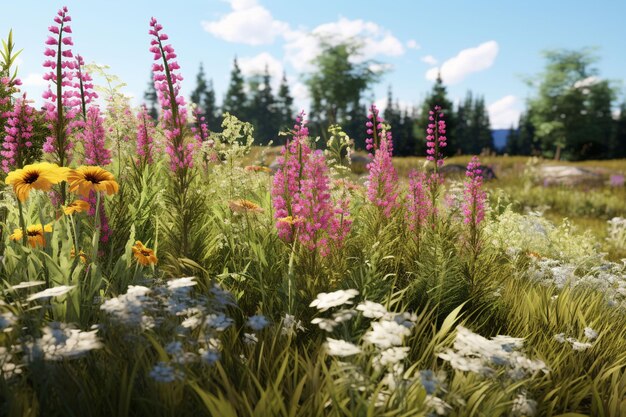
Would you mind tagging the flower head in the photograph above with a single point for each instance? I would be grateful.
(244, 206)
(144, 255)
(18, 133)
(40, 176)
(435, 136)
(382, 179)
(35, 234)
(324, 301)
(92, 178)
(474, 196)
(76, 206)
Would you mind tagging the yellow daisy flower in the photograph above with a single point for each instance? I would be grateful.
(145, 256)
(41, 176)
(240, 206)
(92, 178)
(77, 206)
(35, 234)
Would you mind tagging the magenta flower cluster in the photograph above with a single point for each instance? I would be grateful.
(145, 136)
(435, 136)
(64, 102)
(418, 203)
(313, 204)
(383, 178)
(8, 87)
(474, 197)
(18, 133)
(167, 84)
(200, 130)
(93, 137)
(286, 184)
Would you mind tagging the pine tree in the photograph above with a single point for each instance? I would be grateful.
(284, 105)
(262, 108)
(235, 98)
(201, 88)
(150, 96)
(618, 143)
(481, 128)
(211, 113)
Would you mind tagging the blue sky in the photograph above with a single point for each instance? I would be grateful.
(486, 46)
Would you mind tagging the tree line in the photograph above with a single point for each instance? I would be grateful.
(570, 116)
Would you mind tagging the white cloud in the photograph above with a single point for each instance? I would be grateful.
(302, 47)
(248, 23)
(586, 82)
(469, 60)
(504, 112)
(34, 80)
(301, 97)
(430, 60)
(412, 44)
(256, 65)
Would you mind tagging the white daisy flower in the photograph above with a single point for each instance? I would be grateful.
(324, 301)
(337, 347)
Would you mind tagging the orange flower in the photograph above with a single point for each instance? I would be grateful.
(92, 178)
(81, 254)
(240, 206)
(35, 234)
(257, 168)
(77, 206)
(290, 220)
(144, 255)
(41, 176)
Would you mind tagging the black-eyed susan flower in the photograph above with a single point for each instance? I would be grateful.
(145, 256)
(92, 178)
(40, 176)
(76, 206)
(241, 206)
(35, 234)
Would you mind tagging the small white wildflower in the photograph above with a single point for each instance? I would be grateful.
(371, 309)
(52, 292)
(324, 301)
(560, 337)
(440, 406)
(165, 373)
(580, 346)
(181, 283)
(257, 322)
(590, 333)
(337, 347)
(290, 325)
(392, 356)
(250, 338)
(60, 341)
(343, 315)
(191, 322)
(325, 324)
(523, 406)
(218, 322)
(386, 333)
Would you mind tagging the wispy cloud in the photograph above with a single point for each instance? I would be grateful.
(469, 60)
(505, 112)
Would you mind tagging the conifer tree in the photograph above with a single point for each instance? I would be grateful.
(235, 98)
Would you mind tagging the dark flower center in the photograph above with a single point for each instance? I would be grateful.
(31, 177)
(145, 253)
(33, 233)
(92, 178)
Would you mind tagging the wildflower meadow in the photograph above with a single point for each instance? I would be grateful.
(159, 268)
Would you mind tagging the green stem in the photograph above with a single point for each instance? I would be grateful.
(22, 223)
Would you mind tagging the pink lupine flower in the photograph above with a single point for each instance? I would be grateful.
(473, 205)
(64, 103)
(18, 133)
(417, 201)
(93, 137)
(105, 231)
(83, 85)
(313, 205)
(145, 136)
(200, 130)
(375, 132)
(341, 222)
(382, 180)
(167, 84)
(286, 183)
(435, 137)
